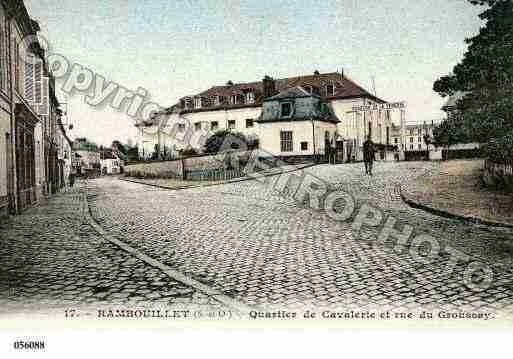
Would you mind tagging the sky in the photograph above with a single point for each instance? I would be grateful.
(181, 47)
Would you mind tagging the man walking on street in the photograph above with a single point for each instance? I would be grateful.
(368, 155)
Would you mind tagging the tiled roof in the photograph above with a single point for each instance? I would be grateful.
(344, 88)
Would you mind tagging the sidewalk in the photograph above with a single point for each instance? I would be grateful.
(52, 258)
(454, 189)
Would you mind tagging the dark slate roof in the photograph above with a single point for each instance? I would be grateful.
(293, 92)
(324, 113)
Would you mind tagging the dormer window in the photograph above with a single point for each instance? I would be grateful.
(330, 90)
(250, 97)
(286, 109)
(188, 103)
(197, 102)
(233, 99)
(217, 100)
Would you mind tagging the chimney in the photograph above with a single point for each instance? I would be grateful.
(317, 73)
(269, 86)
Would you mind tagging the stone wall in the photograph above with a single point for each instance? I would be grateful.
(498, 175)
(180, 168)
(161, 169)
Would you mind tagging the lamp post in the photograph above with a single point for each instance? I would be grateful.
(313, 140)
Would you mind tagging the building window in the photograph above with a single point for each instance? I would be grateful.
(411, 139)
(197, 126)
(249, 123)
(304, 146)
(420, 139)
(308, 88)
(233, 99)
(231, 124)
(395, 140)
(420, 146)
(286, 141)
(286, 109)
(411, 132)
(411, 147)
(214, 126)
(330, 90)
(250, 97)
(3, 66)
(181, 127)
(197, 102)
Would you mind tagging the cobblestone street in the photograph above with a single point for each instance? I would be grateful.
(52, 258)
(264, 249)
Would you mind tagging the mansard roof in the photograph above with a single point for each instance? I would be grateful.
(293, 92)
(344, 88)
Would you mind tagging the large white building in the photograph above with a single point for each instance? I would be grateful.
(290, 117)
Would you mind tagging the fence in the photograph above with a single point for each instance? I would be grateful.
(499, 175)
(458, 154)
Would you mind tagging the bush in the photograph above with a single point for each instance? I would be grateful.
(500, 150)
(225, 137)
(188, 152)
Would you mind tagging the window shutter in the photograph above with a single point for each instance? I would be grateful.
(44, 107)
(29, 82)
(38, 76)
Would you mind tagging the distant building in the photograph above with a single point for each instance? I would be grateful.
(110, 162)
(413, 137)
(86, 157)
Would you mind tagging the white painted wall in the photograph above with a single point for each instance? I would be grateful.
(302, 131)
(112, 165)
(352, 127)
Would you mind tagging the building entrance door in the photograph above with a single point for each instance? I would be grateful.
(340, 152)
(9, 173)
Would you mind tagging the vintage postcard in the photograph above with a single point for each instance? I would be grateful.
(329, 165)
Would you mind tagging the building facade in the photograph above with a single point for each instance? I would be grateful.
(28, 113)
(86, 157)
(110, 162)
(413, 137)
(239, 107)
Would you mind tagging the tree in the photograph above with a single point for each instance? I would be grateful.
(117, 145)
(485, 77)
(224, 139)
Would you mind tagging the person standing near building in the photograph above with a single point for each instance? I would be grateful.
(368, 155)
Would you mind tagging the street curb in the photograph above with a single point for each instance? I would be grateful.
(243, 179)
(446, 214)
(217, 295)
